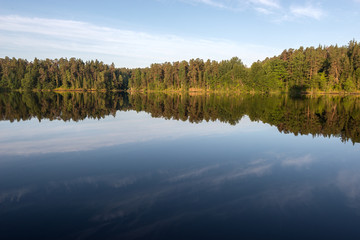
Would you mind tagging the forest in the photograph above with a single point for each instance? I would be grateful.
(324, 115)
(321, 69)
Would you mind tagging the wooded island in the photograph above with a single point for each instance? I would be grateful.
(321, 69)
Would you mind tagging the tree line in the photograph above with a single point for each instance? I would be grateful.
(323, 115)
(325, 68)
(61, 74)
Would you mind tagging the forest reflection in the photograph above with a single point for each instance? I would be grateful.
(337, 116)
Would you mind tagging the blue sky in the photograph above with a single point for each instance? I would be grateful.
(136, 33)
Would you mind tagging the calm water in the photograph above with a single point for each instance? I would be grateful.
(117, 166)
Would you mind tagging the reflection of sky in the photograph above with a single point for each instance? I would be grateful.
(272, 186)
(127, 127)
(174, 173)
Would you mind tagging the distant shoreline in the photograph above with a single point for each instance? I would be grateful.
(190, 91)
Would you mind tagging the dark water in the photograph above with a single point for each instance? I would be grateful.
(118, 166)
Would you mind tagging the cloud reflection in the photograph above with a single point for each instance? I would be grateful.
(193, 173)
(298, 162)
(95, 181)
(13, 195)
(31, 137)
(348, 181)
(258, 170)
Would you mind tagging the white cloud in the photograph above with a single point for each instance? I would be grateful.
(267, 7)
(267, 3)
(307, 11)
(264, 11)
(238, 5)
(279, 12)
(213, 3)
(231, 5)
(50, 38)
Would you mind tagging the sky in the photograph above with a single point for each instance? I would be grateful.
(137, 33)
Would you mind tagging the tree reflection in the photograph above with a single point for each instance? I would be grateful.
(324, 115)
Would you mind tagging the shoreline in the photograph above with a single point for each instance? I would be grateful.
(191, 91)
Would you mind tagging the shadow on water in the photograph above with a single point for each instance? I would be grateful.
(297, 91)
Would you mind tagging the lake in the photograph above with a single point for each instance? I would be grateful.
(179, 166)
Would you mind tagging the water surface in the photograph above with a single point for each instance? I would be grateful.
(118, 166)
